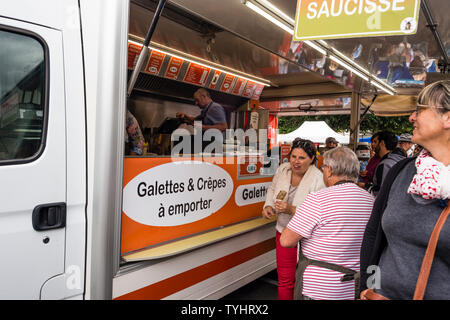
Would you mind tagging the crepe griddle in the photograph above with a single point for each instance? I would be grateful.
(169, 125)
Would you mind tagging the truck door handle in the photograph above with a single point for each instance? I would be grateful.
(49, 216)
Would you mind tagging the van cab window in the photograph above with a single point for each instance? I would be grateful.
(22, 96)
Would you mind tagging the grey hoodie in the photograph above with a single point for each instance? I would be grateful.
(386, 163)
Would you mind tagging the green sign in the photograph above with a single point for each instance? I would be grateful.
(332, 19)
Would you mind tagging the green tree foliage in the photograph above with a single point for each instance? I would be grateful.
(341, 123)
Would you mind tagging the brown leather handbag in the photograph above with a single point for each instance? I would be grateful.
(304, 262)
(427, 261)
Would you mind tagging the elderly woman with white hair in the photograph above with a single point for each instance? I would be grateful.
(330, 224)
(405, 251)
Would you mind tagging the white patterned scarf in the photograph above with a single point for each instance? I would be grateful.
(432, 180)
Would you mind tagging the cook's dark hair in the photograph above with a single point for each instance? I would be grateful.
(343, 162)
(389, 138)
(306, 145)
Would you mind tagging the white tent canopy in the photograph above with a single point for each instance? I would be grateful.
(316, 131)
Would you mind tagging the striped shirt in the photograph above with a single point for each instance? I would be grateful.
(332, 223)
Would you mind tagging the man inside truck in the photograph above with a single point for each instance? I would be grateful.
(212, 114)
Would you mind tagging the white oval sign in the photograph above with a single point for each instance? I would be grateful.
(251, 193)
(177, 193)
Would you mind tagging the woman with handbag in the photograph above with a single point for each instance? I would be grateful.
(406, 245)
(292, 182)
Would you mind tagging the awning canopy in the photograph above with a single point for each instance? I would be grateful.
(232, 35)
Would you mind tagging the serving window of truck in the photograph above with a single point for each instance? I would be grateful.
(122, 194)
(191, 183)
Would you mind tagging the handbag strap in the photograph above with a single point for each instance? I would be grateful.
(369, 294)
(429, 255)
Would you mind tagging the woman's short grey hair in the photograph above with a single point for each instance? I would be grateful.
(343, 162)
(436, 94)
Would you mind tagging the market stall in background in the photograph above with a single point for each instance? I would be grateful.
(181, 218)
(257, 75)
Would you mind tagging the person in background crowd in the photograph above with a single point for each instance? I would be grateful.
(367, 174)
(134, 140)
(362, 168)
(330, 143)
(386, 149)
(417, 150)
(330, 224)
(413, 196)
(292, 182)
(212, 116)
(405, 143)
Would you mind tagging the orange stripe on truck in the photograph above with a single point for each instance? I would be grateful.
(188, 278)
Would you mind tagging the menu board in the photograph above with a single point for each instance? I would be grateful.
(239, 86)
(173, 70)
(215, 79)
(259, 88)
(196, 74)
(226, 85)
(155, 62)
(133, 54)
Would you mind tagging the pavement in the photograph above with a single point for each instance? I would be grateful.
(264, 288)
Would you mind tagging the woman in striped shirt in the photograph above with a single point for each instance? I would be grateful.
(330, 224)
